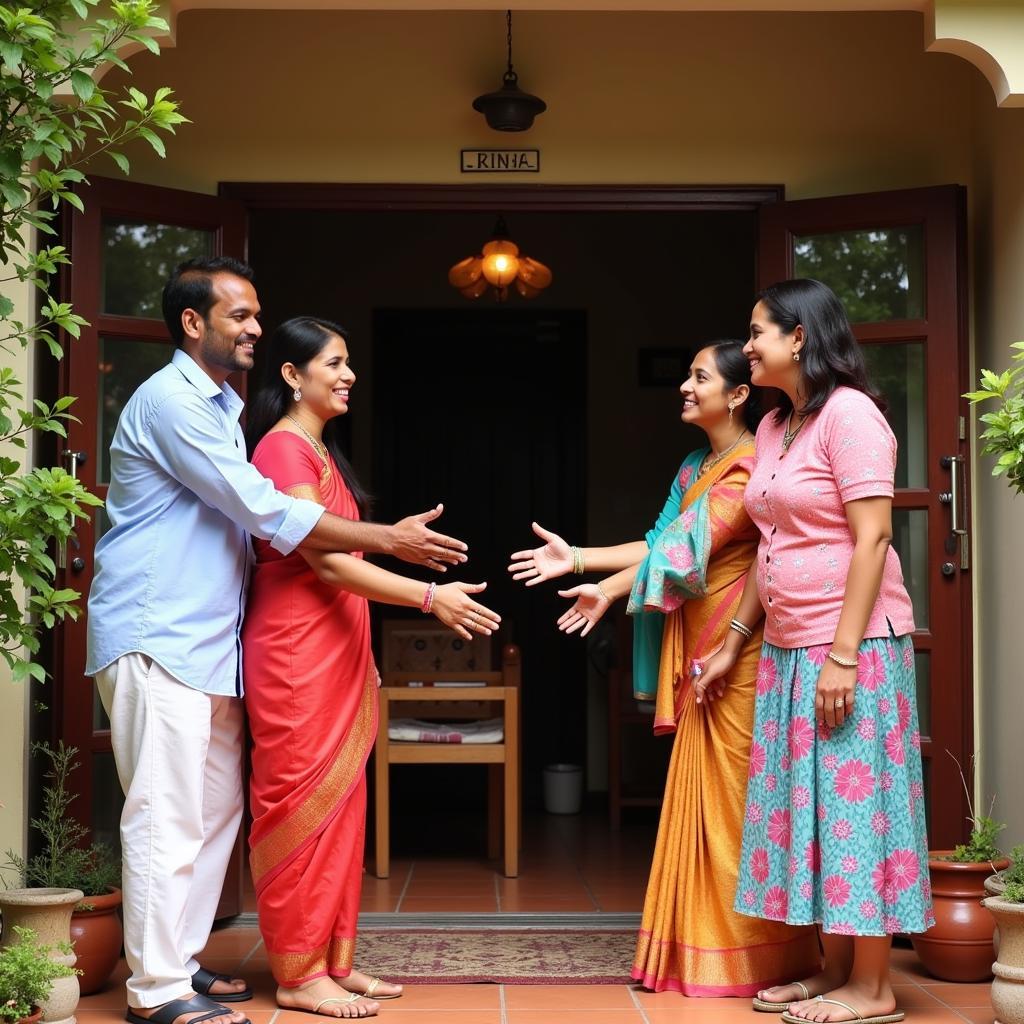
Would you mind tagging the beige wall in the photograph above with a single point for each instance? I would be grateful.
(825, 103)
(822, 103)
(14, 696)
(999, 515)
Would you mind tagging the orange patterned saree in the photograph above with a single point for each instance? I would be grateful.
(691, 941)
(311, 698)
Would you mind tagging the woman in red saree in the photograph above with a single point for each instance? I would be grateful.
(311, 684)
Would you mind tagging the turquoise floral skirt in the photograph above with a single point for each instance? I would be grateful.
(834, 831)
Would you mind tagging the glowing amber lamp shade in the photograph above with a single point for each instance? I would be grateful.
(498, 266)
(501, 262)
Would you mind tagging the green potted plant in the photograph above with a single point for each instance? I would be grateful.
(959, 946)
(1004, 433)
(67, 861)
(27, 974)
(1007, 907)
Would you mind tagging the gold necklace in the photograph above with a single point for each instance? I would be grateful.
(790, 434)
(318, 446)
(716, 459)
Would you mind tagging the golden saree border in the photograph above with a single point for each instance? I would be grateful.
(276, 847)
(741, 971)
(340, 955)
(334, 958)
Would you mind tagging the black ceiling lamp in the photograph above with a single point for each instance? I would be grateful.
(509, 109)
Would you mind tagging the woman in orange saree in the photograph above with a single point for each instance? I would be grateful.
(686, 579)
(311, 685)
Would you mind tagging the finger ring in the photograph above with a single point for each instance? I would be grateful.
(840, 702)
(696, 671)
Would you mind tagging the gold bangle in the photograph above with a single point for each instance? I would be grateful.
(844, 662)
(600, 590)
(578, 567)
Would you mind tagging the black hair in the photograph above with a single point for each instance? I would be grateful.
(297, 341)
(190, 286)
(831, 356)
(734, 367)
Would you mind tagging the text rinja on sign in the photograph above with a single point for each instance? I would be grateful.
(477, 161)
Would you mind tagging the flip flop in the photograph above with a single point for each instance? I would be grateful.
(343, 1001)
(176, 1007)
(882, 1018)
(767, 1006)
(371, 991)
(203, 980)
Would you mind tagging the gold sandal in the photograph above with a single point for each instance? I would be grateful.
(858, 1017)
(342, 1001)
(371, 991)
(765, 1006)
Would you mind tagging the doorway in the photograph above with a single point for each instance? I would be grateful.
(667, 268)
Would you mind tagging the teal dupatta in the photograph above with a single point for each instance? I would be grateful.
(674, 571)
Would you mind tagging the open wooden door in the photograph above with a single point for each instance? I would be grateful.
(897, 261)
(122, 250)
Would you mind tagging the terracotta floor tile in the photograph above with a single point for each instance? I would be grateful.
(449, 904)
(674, 1000)
(908, 996)
(966, 994)
(392, 1015)
(736, 1014)
(451, 997)
(575, 997)
(977, 1014)
(571, 1015)
(923, 1015)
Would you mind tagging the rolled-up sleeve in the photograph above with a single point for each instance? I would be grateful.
(187, 438)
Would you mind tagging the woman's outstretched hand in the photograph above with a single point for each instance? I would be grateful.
(709, 683)
(455, 606)
(591, 604)
(545, 563)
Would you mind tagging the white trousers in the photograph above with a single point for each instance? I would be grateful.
(178, 753)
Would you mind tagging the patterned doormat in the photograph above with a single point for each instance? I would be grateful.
(513, 957)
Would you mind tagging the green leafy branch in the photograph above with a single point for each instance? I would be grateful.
(1004, 433)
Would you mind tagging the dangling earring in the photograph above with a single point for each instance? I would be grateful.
(796, 357)
(297, 395)
(730, 412)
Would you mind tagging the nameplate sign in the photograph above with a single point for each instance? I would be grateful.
(492, 161)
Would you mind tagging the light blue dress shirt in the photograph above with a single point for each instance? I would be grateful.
(172, 572)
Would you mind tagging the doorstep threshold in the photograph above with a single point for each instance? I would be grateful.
(590, 921)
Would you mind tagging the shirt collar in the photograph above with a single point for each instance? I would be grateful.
(205, 384)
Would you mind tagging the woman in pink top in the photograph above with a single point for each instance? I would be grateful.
(834, 831)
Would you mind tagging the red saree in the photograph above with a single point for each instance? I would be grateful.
(311, 697)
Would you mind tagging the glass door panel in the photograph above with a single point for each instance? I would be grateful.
(138, 257)
(898, 371)
(124, 363)
(878, 273)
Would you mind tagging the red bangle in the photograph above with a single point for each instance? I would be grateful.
(428, 599)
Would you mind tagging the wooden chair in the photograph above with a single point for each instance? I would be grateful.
(418, 659)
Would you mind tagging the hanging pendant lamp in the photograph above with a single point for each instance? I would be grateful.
(498, 267)
(509, 109)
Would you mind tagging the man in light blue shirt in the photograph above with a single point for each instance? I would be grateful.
(165, 616)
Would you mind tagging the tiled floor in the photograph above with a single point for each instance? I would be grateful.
(239, 950)
(568, 865)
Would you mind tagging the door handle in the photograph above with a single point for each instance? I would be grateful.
(74, 460)
(956, 499)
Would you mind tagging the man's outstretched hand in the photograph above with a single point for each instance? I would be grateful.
(413, 541)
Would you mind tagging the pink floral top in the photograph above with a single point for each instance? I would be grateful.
(844, 452)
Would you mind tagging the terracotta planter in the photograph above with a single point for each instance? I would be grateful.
(959, 947)
(48, 913)
(32, 1018)
(1008, 986)
(96, 935)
